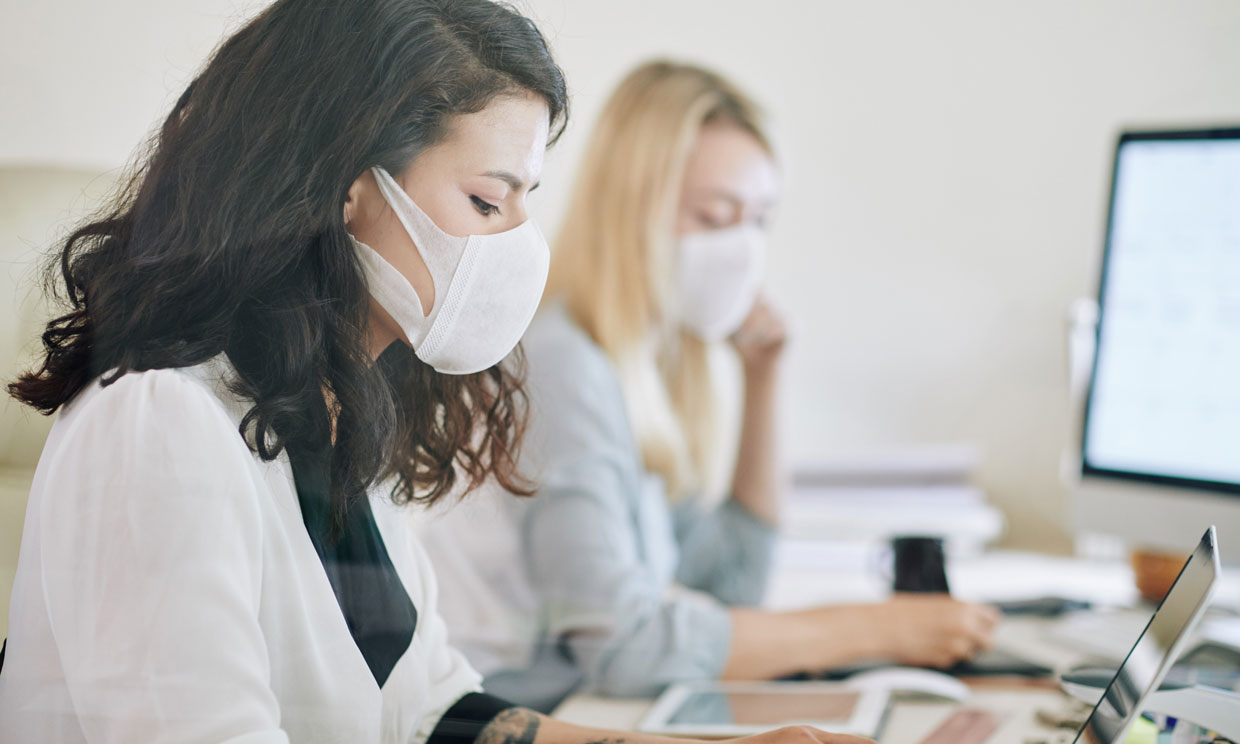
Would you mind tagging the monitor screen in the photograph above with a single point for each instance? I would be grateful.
(1164, 401)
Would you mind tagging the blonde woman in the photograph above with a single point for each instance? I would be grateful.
(615, 575)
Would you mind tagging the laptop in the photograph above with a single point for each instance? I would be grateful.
(1157, 649)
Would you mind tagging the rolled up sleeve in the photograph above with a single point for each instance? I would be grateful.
(606, 602)
(604, 606)
(726, 552)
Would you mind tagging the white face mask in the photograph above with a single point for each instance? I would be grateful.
(718, 278)
(487, 287)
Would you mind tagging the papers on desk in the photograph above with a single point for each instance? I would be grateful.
(923, 465)
(923, 491)
(959, 514)
(807, 573)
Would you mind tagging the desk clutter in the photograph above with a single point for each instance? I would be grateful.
(965, 726)
(923, 490)
(1034, 708)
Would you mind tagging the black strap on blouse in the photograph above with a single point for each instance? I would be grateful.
(466, 719)
(379, 613)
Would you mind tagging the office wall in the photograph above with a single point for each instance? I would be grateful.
(84, 82)
(945, 163)
(946, 176)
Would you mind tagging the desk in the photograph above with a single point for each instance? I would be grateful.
(909, 721)
(807, 574)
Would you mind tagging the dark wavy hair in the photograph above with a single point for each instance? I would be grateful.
(229, 237)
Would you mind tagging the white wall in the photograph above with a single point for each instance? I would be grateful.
(84, 82)
(946, 176)
(947, 168)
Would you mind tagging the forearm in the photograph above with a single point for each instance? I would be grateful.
(756, 478)
(773, 644)
(524, 726)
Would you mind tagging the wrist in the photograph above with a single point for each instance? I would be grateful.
(845, 634)
(875, 630)
(886, 633)
(760, 373)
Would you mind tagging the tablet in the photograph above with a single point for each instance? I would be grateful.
(728, 709)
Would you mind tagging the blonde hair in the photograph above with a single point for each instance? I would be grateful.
(615, 256)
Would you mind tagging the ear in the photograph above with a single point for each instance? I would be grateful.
(353, 197)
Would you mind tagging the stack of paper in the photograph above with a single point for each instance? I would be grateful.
(924, 491)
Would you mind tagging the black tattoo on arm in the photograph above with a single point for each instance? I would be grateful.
(513, 726)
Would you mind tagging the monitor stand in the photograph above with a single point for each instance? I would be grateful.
(1208, 707)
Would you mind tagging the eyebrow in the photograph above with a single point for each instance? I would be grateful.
(510, 179)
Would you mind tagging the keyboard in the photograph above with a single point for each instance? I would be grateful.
(1106, 635)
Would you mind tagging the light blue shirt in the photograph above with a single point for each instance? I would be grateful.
(598, 546)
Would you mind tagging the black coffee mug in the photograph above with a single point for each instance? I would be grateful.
(918, 565)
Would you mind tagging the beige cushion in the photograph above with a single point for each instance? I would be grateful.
(37, 206)
(14, 485)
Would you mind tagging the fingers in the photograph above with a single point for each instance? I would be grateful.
(763, 327)
(973, 632)
(758, 335)
(828, 738)
(989, 614)
(943, 631)
(811, 735)
(970, 631)
(946, 653)
(984, 622)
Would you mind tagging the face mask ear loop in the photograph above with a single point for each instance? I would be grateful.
(416, 223)
(390, 287)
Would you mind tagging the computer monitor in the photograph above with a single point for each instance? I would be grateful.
(1160, 441)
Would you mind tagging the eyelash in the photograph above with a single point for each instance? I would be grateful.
(486, 208)
(710, 222)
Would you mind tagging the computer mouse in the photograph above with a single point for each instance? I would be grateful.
(911, 680)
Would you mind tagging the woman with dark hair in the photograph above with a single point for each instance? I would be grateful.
(293, 320)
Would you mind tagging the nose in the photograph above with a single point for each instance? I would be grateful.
(519, 214)
(753, 213)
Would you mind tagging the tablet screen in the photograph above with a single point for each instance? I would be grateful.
(715, 708)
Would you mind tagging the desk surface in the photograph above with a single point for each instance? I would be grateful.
(908, 723)
(912, 720)
(817, 574)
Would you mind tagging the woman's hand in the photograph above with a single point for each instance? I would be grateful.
(761, 338)
(756, 478)
(934, 629)
(799, 735)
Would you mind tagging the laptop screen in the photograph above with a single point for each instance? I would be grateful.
(1157, 648)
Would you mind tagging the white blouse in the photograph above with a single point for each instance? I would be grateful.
(167, 590)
